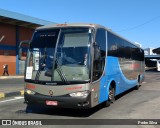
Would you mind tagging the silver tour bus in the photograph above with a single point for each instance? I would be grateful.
(79, 66)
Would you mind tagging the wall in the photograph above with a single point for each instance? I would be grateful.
(8, 45)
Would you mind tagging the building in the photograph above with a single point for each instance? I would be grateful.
(157, 50)
(149, 51)
(15, 27)
(151, 56)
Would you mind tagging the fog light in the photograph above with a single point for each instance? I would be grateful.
(29, 91)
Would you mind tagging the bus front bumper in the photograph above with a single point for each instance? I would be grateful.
(64, 101)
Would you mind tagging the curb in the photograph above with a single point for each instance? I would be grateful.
(11, 77)
(10, 94)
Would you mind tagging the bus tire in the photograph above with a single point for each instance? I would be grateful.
(28, 109)
(111, 96)
(138, 83)
(137, 87)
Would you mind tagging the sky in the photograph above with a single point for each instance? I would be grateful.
(135, 20)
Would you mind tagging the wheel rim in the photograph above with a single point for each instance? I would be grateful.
(111, 94)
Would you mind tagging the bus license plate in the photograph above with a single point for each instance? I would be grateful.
(54, 103)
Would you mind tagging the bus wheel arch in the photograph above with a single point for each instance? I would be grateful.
(111, 94)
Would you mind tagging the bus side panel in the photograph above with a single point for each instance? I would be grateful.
(114, 73)
(103, 89)
(122, 82)
(111, 73)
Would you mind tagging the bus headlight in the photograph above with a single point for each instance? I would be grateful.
(29, 91)
(79, 94)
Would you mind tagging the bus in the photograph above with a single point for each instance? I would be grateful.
(158, 65)
(79, 66)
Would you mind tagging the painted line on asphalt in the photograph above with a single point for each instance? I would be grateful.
(15, 98)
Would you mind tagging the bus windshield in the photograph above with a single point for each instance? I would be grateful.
(59, 55)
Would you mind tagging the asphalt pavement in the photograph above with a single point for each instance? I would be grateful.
(11, 86)
(139, 104)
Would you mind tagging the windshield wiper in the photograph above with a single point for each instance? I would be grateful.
(60, 72)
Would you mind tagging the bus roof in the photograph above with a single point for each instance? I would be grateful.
(82, 25)
(71, 25)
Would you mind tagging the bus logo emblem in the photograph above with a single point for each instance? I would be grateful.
(51, 92)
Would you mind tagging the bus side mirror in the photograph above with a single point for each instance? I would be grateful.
(97, 51)
(22, 53)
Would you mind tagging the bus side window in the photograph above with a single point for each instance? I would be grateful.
(113, 45)
(98, 64)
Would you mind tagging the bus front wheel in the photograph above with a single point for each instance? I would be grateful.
(111, 96)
